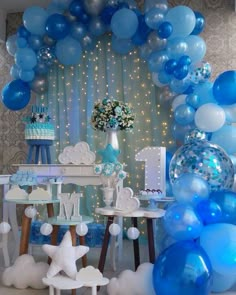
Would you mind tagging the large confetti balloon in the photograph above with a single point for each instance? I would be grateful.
(205, 159)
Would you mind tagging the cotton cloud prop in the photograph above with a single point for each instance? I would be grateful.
(133, 283)
(16, 193)
(24, 273)
(78, 154)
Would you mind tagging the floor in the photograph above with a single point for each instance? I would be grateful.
(126, 262)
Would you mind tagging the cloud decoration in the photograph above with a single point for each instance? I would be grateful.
(24, 273)
(40, 194)
(78, 154)
(16, 193)
(91, 276)
(129, 282)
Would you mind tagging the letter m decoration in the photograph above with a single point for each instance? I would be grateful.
(69, 206)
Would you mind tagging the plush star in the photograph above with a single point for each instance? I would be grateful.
(109, 154)
(64, 257)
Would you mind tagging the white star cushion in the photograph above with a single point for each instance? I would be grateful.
(64, 256)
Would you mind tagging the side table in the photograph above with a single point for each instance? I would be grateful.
(111, 213)
(72, 225)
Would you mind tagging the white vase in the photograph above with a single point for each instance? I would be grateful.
(108, 193)
(112, 138)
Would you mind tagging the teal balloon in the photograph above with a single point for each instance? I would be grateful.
(68, 51)
(224, 88)
(25, 58)
(205, 159)
(16, 95)
(34, 19)
(183, 268)
(218, 240)
(124, 23)
(181, 222)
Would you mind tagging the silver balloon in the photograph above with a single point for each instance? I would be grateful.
(155, 43)
(48, 41)
(160, 4)
(39, 85)
(94, 7)
(71, 18)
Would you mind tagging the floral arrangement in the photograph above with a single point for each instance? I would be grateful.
(112, 114)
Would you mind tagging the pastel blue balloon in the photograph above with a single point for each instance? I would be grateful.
(124, 23)
(26, 76)
(16, 95)
(14, 72)
(183, 268)
(222, 283)
(196, 48)
(157, 60)
(227, 202)
(224, 88)
(181, 222)
(154, 17)
(204, 91)
(21, 42)
(184, 114)
(25, 58)
(121, 46)
(68, 51)
(209, 211)
(230, 112)
(218, 240)
(179, 86)
(57, 26)
(176, 48)
(226, 138)
(190, 188)
(205, 159)
(182, 19)
(34, 19)
(11, 45)
(193, 100)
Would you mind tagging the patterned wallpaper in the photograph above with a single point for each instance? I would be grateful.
(220, 37)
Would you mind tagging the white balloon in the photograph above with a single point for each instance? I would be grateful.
(178, 100)
(4, 227)
(81, 229)
(114, 229)
(46, 229)
(209, 117)
(30, 211)
(133, 233)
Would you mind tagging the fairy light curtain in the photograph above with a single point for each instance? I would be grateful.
(102, 73)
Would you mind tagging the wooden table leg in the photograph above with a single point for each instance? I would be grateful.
(150, 234)
(136, 245)
(73, 238)
(54, 235)
(105, 243)
(25, 232)
(84, 258)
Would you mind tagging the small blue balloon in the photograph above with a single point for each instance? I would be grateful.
(180, 72)
(78, 30)
(23, 32)
(25, 58)
(164, 30)
(182, 222)
(107, 13)
(184, 114)
(157, 61)
(76, 8)
(96, 26)
(200, 23)
(183, 268)
(16, 95)
(184, 60)
(192, 100)
(57, 26)
(209, 211)
(35, 42)
(154, 17)
(170, 66)
(21, 42)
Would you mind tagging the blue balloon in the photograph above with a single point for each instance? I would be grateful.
(170, 66)
(218, 240)
(193, 100)
(35, 42)
(165, 30)
(184, 114)
(23, 32)
(222, 283)
(141, 35)
(16, 95)
(78, 31)
(21, 42)
(196, 48)
(124, 23)
(183, 268)
(177, 47)
(209, 211)
(62, 4)
(11, 45)
(34, 19)
(163, 77)
(121, 46)
(25, 58)
(179, 131)
(227, 202)
(41, 68)
(190, 188)
(226, 138)
(96, 26)
(204, 91)
(169, 156)
(26, 76)
(107, 13)
(57, 26)
(184, 60)
(76, 8)
(157, 60)
(154, 18)
(88, 42)
(224, 88)
(14, 72)
(200, 23)
(181, 222)
(180, 72)
(179, 86)
(68, 51)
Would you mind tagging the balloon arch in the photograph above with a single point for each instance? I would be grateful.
(201, 171)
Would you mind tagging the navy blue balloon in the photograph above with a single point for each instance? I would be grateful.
(164, 30)
(107, 13)
(16, 95)
(224, 88)
(200, 23)
(184, 60)
(209, 211)
(182, 269)
(76, 8)
(170, 66)
(141, 35)
(23, 32)
(57, 26)
(181, 72)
